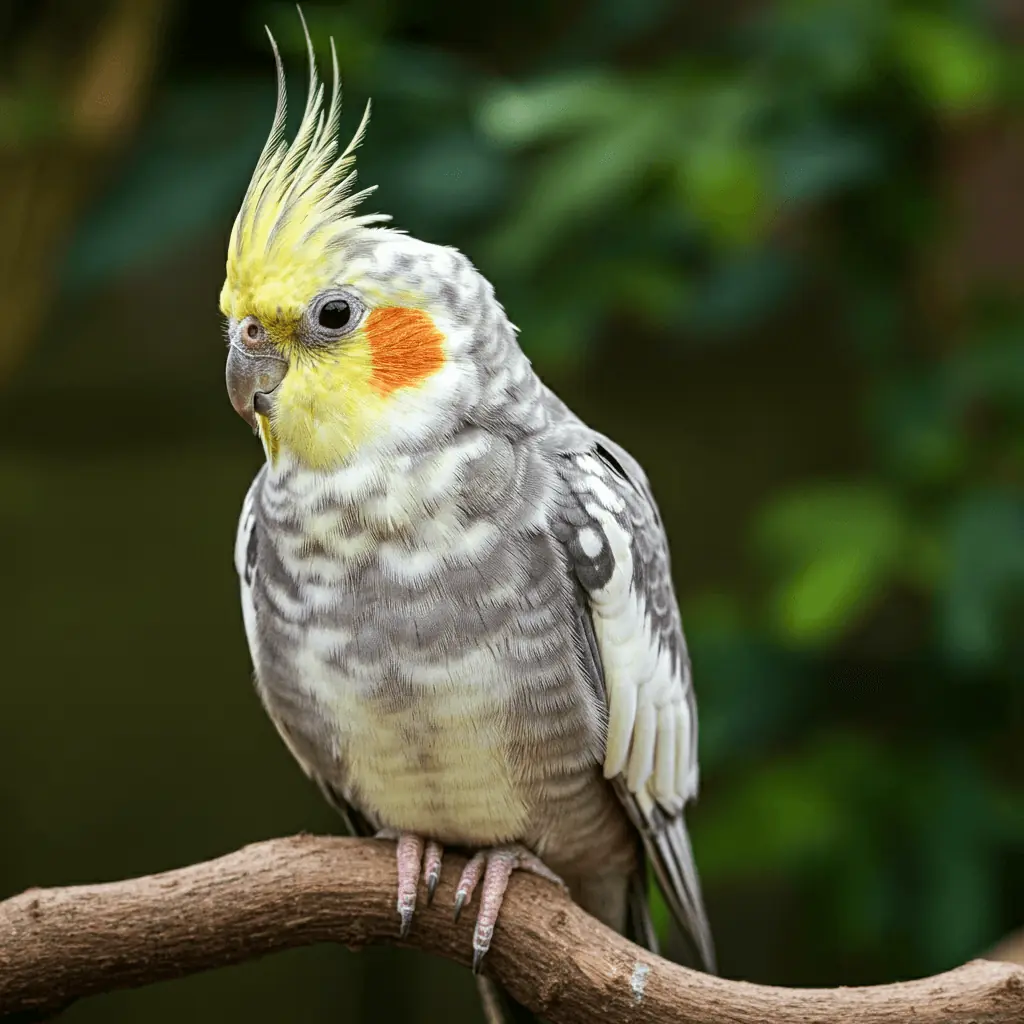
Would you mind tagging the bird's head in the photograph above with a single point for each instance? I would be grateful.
(342, 333)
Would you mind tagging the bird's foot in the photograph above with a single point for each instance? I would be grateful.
(413, 852)
(494, 867)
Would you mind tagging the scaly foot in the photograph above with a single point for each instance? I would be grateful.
(494, 867)
(412, 852)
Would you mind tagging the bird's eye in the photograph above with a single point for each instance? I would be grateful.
(334, 315)
(331, 316)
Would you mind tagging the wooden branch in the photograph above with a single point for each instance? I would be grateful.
(1009, 950)
(57, 945)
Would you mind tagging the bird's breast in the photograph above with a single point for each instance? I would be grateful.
(432, 753)
(410, 613)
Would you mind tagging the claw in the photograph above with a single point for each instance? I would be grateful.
(494, 867)
(471, 875)
(482, 936)
(409, 852)
(432, 867)
(478, 958)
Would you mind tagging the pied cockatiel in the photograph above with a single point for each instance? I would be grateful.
(456, 594)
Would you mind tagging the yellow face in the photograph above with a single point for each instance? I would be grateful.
(337, 361)
(319, 351)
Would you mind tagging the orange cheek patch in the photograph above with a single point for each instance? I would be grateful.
(405, 345)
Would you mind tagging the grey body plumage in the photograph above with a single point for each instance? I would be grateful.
(427, 631)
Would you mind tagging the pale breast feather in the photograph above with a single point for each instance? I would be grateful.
(247, 552)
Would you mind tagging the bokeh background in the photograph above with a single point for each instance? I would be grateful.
(777, 249)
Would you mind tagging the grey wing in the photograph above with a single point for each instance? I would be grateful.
(610, 525)
(247, 548)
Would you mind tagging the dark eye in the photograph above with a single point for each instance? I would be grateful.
(334, 315)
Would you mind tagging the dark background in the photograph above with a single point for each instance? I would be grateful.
(776, 249)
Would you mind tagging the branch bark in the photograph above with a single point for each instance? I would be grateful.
(1009, 950)
(57, 945)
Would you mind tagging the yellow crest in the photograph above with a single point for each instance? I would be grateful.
(299, 204)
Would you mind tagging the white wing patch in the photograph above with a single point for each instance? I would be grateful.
(649, 727)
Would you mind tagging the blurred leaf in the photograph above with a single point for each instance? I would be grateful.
(861, 890)
(449, 178)
(429, 82)
(29, 115)
(724, 182)
(991, 368)
(952, 65)
(787, 816)
(606, 26)
(356, 34)
(985, 590)
(826, 595)
(738, 291)
(575, 182)
(916, 433)
(751, 693)
(959, 905)
(188, 171)
(838, 547)
(557, 335)
(557, 107)
(655, 293)
(813, 164)
(831, 44)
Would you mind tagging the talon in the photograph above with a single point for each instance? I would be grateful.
(406, 914)
(494, 867)
(482, 936)
(478, 958)
(432, 867)
(471, 875)
(409, 853)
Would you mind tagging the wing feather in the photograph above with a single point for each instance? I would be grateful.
(612, 530)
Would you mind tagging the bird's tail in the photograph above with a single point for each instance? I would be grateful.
(499, 1007)
(676, 872)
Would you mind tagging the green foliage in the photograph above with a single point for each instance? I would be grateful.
(837, 549)
(599, 189)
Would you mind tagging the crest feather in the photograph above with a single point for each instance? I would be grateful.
(301, 194)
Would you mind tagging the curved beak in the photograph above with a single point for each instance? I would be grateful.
(251, 380)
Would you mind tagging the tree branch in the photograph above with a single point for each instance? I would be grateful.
(57, 945)
(1010, 949)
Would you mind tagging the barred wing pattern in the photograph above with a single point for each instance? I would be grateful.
(611, 528)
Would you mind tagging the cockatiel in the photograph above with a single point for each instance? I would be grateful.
(456, 594)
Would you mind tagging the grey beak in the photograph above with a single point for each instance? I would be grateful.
(251, 379)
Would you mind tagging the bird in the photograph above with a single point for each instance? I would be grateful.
(457, 596)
